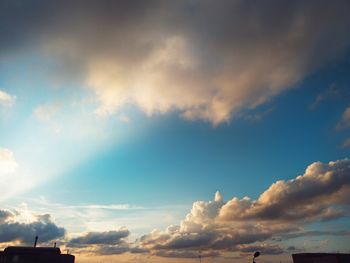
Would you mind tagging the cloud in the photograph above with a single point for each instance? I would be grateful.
(332, 93)
(346, 143)
(45, 112)
(5, 215)
(6, 99)
(205, 60)
(185, 254)
(219, 227)
(304, 198)
(106, 243)
(121, 248)
(95, 238)
(313, 234)
(8, 164)
(265, 249)
(345, 119)
(43, 226)
(245, 225)
(107, 207)
(12, 179)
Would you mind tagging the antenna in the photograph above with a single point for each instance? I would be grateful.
(36, 241)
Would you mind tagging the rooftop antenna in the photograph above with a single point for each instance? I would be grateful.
(36, 241)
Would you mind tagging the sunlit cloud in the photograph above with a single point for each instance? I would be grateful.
(12, 179)
(197, 58)
(6, 99)
(246, 225)
(215, 227)
(14, 229)
(8, 164)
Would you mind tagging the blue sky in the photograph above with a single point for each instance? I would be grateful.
(261, 146)
(121, 124)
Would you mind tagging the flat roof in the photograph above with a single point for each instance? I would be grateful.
(34, 250)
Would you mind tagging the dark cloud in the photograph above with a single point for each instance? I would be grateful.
(186, 253)
(265, 249)
(208, 60)
(4, 216)
(97, 238)
(25, 232)
(106, 243)
(121, 248)
(314, 233)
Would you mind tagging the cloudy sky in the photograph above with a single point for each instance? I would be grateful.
(160, 130)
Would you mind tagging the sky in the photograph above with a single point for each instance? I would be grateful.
(158, 131)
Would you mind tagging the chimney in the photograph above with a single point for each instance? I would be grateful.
(36, 241)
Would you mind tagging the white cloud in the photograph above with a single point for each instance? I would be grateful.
(6, 99)
(12, 178)
(8, 164)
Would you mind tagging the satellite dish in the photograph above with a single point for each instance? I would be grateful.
(256, 254)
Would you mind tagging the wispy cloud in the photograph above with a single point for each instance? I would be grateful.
(345, 120)
(333, 92)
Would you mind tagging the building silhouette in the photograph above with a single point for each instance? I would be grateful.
(321, 258)
(34, 254)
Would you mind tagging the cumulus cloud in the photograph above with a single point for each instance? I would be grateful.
(203, 59)
(245, 225)
(218, 227)
(12, 230)
(303, 198)
(6, 99)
